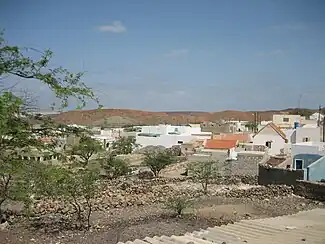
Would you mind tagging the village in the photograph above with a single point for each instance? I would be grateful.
(162, 122)
(262, 169)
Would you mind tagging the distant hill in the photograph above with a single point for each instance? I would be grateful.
(123, 117)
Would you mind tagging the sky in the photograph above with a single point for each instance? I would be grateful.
(177, 55)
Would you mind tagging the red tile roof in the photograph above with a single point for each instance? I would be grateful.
(220, 144)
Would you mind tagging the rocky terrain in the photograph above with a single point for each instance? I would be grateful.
(126, 209)
(121, 117)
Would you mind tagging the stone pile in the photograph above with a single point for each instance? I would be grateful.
(124, 193)
(263, 192)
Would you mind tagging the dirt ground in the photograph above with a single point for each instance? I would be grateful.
(138, 222)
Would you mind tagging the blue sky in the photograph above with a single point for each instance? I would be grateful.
(161, 55)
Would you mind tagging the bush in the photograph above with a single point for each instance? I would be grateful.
(145, 174)
(158, 160)
(178, 204)
(204, 172)
(115, 167)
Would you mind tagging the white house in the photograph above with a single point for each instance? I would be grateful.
(306, 134)
(272, 137)
(287, 121)
(316, 116)
(170, 135)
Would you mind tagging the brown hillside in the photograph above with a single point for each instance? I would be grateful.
(120, 117)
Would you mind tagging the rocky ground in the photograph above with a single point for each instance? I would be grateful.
(126, 210)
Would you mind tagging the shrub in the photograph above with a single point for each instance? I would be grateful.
(178, 204)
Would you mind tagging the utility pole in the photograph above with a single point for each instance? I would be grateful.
(323, 125)
(319, 112)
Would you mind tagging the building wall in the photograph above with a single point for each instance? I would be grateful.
(165, 129)
(278, 119)
(163, 140)
(268, 134)
(217, 128)
(316, 170)
(313, 134)
(307, 148)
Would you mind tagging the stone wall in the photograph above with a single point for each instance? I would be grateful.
(312, 190)
(277, 176)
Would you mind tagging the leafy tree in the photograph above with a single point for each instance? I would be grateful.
(124, 145)
(115, 167)
(252, 126)
(158, 160)
(17, 135)
(76, 187)
(86, 148)
(204, 172)
(178, 204)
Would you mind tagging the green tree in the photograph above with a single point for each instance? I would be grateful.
(252, 126)
(17, 135)
(75, 187)
(204, 172)
(86, 148)
(124, 145)
(178, 204)
(158, 160)
(115, 167)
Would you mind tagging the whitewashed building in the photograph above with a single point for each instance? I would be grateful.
(287, 121)
(272, 137)
(170, 135)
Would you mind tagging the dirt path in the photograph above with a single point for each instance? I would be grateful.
(138, 222)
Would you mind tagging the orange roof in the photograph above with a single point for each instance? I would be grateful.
(241, 137)
(275, 128)
(220, 144)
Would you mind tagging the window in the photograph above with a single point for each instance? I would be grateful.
(286, 141)
(299, 164)
(285, 119)
(268, 144)
(180, 142)
(305, 139)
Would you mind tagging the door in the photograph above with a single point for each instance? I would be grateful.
(299, 164)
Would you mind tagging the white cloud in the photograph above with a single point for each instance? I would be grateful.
(291, 27)
(177, 53)
(115, 27)
(276, 52)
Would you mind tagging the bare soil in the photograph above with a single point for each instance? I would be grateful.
(138, 222)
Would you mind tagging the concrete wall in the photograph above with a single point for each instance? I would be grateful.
(268, 175)
(307, 148)
(251, 147)
(312, 190)
(316, 170)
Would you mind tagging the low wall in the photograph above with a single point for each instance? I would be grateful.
(312, 190)
(277, 176)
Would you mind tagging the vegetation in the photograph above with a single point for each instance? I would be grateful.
(115, 167)
(76, 187)
(18, 136)
(204, 172)
(178, 204)
(85, 149)
(124, 145)
(302, 112)
(158, 160)
(252, 126)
